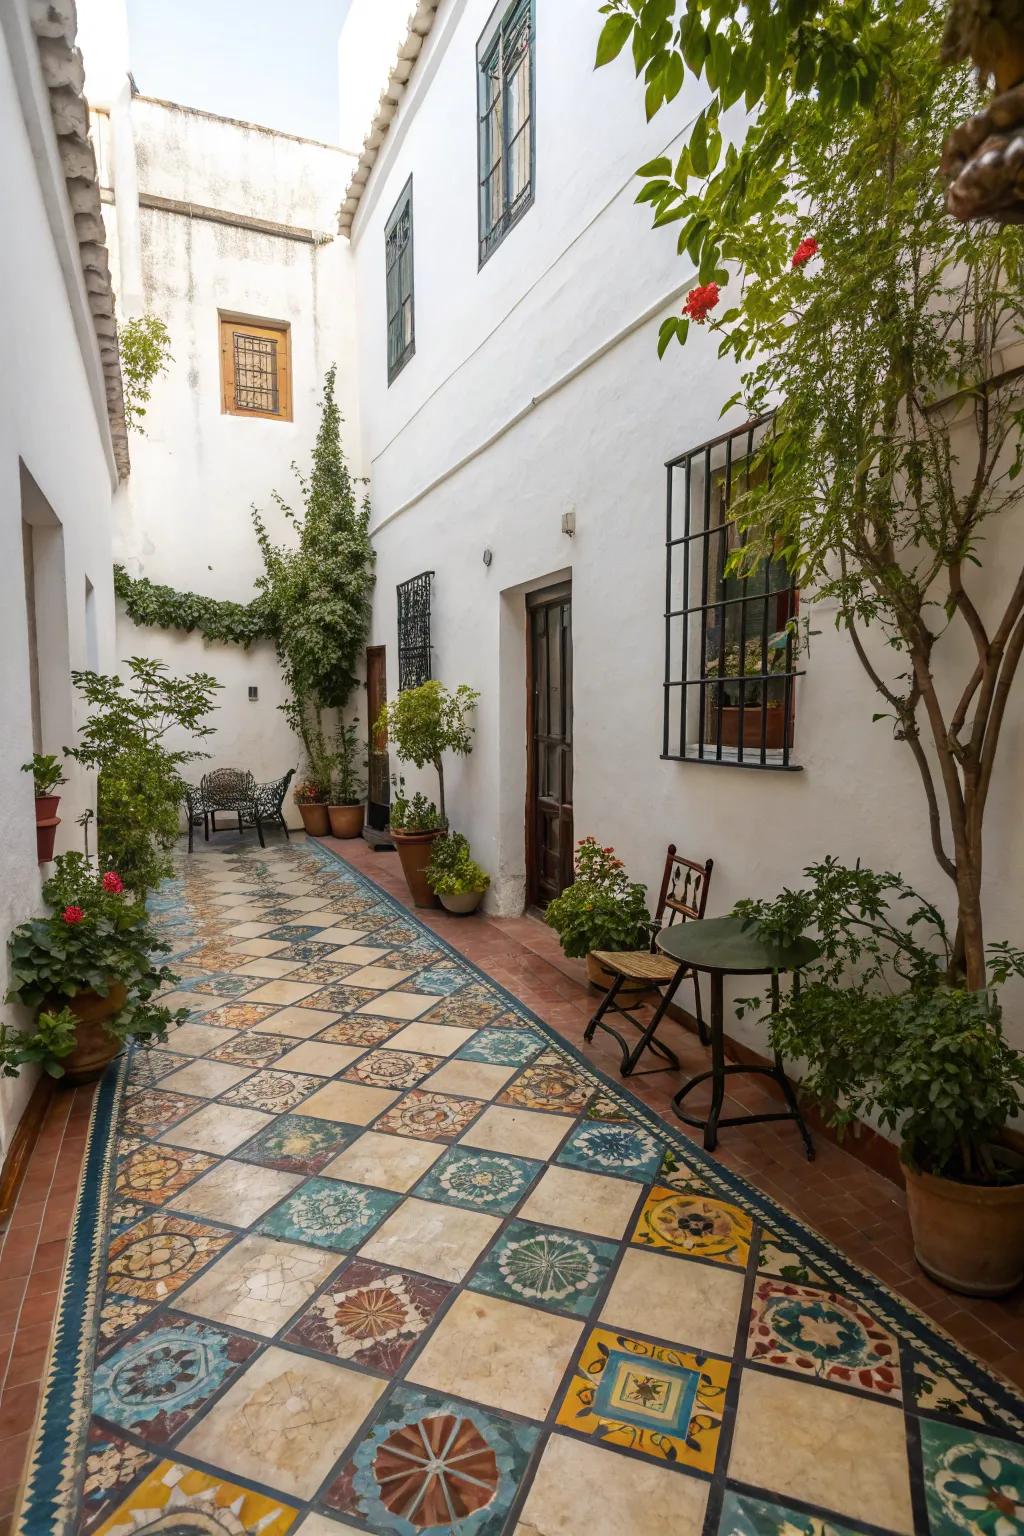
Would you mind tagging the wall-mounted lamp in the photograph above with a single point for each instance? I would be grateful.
(487, 557)
(569, 523)
(254, 693)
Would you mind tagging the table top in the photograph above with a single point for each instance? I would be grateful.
(731, 945)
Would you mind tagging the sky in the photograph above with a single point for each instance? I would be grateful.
(259, 60)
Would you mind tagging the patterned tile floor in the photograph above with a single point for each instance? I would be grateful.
(383, 1257)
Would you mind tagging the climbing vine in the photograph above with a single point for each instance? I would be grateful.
(147, 602)
(145, 347)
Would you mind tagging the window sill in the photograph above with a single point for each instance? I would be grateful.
(730, 758)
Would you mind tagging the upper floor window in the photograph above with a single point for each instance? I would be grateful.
(398, 271)
(255, 368)
(506, 108)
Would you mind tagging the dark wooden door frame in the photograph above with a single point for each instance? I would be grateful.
(558, 593)
(376, 673)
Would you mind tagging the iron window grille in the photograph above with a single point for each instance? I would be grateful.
(730, 658)
(506, 138)
(399, 282)
(414, 631)
(256, 373)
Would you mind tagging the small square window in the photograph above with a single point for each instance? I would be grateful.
(399, 280)
(255, 368)
(505, 97)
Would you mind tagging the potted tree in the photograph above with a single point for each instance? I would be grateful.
(424, 723)
(91, 957)
(602, 909)
(348, 786)
(454, 876)
(47, 775)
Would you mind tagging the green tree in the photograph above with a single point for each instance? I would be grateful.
(145, 346)
(426, 722)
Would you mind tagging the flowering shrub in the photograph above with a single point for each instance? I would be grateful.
(309, 792)
(603, 908)
(72, 914)
(113, 883)
(701, 301)
(804, 251)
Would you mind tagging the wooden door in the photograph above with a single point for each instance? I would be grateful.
(379, 782)
(549, 830)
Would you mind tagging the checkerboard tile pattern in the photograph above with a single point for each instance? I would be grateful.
(382, 1257)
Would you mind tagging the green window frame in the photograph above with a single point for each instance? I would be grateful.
(398, 277)
(506, 138)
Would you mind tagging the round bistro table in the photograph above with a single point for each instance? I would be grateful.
(730, 946)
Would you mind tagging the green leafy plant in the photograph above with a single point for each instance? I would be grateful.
(140, 788)
(426, 722)
(311, 791)
(349, 785)
(52, 1038)
(145, 346)
(451, 870)
(216, 619)
(47, 773)
(603, 908)
(416, 815)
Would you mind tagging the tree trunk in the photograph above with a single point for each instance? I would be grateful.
(440, 786)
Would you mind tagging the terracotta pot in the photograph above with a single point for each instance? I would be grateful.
(463, 903)
(346, 820)
(94, 1046)
(315, 819)
(968, 1237)
(414, 851)
(47, 822)
(601, 978)
(773, 735)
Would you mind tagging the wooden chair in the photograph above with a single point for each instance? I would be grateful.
(684, 893)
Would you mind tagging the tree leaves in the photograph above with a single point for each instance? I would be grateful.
(615, 34)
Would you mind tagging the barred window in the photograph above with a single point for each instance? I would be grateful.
(505, 84)
(730, 654)
(255, 368)
(399, 280)
(414, 630)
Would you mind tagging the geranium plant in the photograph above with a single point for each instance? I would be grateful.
(311, 791)
(452, 870)
(603, 908)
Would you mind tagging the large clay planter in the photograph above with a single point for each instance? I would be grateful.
(47, 822)
(94, 1046)
(601, 978)
(414, 851)
(969, 1237)
(315, 819)
(462, 903)
(346, 820)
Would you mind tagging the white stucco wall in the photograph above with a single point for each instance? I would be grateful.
(56, 472)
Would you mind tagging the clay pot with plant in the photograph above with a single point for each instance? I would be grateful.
(744, 679)
(455, 876)
(311, 799)
(346, 810)
(416, 826)
(47, 775)
(602, 910)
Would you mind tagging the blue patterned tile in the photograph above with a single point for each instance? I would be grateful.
(481, 1181)
(156, 1382)
(503, 1047)
(614, 1147)
(329, 1213)
(544, 1267)
(973, 1482)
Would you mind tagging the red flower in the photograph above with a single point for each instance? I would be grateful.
(113, 883)
(804, 251)
(700, 302)
(73, 914)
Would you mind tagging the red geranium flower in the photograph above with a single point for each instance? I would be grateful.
(113, 883)
(73, 914)
(700, 302)
(804, 251)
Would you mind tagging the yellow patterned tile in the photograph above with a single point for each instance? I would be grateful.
(180, 1498)
(695, 1225)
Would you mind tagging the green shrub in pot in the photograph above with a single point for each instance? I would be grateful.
(603, 908)
(452, 871)
(47, 774)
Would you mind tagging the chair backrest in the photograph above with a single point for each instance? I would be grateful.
(684, 889)
(227, 786)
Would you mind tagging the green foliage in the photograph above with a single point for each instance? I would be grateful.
(140, 788)
(47, 773)
(145, 347)
(603, 908)
(216, 619)
(451, 870)
(426, 722)
(416, 815)
(52, 1039)
(349, 785)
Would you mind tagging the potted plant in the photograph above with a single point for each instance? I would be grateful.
(348, 785)
(889, 1032)
(746, 682)
(93, 955)
(47, 775)
(416, 825)
(311, 799)
(602, 909)
(454, 876)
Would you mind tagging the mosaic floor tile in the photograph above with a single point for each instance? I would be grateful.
(205, 1079)
(651, 1398)
(434, 1039)
(550, 1083)
(587, 1202)
(973, 1482)
(324, 972)
(148, 1066)
(428, 1464)
(622, 1150)
(282, 993)
(745, 1515)
(362, 1032)
(154, 1173)
(475, 1079)
(291, 933)
(296, 1023)
(389, 1162)
(370, 1314)
(238, 1015)
(259, 1284)
(307, 952)
(118, 1316)
(431, 1116)
(391, 1069)
(152, 1109)
(471, 1006)
(194, 1039)
(541, 1266)
(440, 1240)
(503, 1047)
(253, 972)
(112, 1464)
(224, 986)
(249, 1049)
(329, 1213)
(694, 1225)
(353, 1103)
(441, 979)
(161, 1254)
(235, 1193)
(481, 1181)
(182, 1501)
(506, 1129)
(297, 1144)
(216, 1128)
(319, 1058)
(396, 1005)
(581, 1488)
(681, 1300)
(820, 1333)
(335, 998)
(160, 1379)
(272, 1090)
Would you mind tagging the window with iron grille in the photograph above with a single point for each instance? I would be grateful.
(398, 277)
(255, 368)
(505, 84)
(730, 652)
(414, 631)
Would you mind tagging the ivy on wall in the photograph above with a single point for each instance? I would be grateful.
(147, 602)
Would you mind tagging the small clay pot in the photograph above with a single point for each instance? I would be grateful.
(968, 1237)
(346, 820)
(95, 1047)
(414, 850)
(462, 903)
(315, 819)
(47, 822)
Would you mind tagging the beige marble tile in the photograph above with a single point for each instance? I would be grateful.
(285, 1421)
(260, 949)
(197, 1003)
(297, 1022)
(319, 1057)
(387, 1162)
(301, 903)
(586, 1202)
(283, 992)
(217, 1128)
(258, 1284)
(399, 1005)
(525, 1132)
(205, 1078)
(319, 1525)
(236, 1193)
(434, 1239)
(844, 1452)
(582, 1489)
(434, 1039)
(244, 911)
(353, 954)
(196, 1039)
(680, 1300)
(499, 1353)
(375, 976)
(353, 1103)
(269, 970)
(475, 1079)
(248, 931)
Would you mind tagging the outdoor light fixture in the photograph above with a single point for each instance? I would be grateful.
(488, 557)
(569, 523)
(254, 693)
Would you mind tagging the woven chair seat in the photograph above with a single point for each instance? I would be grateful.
(637, 964)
